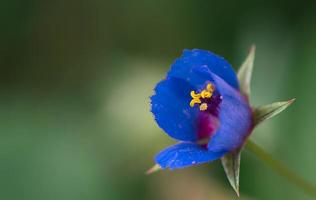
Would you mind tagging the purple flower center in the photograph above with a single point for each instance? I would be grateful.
(208, 119)
(208, 101)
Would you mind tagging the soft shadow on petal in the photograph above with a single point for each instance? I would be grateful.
(171, 109)
(235, 119)
(185, 154)
(183, 67)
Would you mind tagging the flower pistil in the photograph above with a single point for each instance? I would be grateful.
(205, 94)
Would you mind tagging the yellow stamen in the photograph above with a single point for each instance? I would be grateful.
(206, 94)
(210, 87)
(195, 101)
(203, 106)
(195, 96)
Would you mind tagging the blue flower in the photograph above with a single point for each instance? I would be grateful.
(198, 101)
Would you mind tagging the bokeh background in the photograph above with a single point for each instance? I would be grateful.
(75, 82)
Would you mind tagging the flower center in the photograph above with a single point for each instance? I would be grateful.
(202, 97)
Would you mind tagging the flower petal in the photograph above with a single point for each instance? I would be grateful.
(185, 154)
(235, 119)
(190, 59)
(170, 106)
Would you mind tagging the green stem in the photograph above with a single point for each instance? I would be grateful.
(281, 169)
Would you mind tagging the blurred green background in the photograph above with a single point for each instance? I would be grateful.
(75, 82)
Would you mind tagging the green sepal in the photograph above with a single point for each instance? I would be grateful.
(245, 72)
(231, 161)
(265, 112)
(153, 169)
(231, 165)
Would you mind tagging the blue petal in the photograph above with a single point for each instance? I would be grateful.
(170, 106)
(184, 155)
(235, 119)
(190, 59)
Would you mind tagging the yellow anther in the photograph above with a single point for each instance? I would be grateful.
(206, 94)
(194, 95)
(203, 106)
(195, 101)
(210, 87)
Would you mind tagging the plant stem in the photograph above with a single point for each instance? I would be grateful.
(281, 169)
